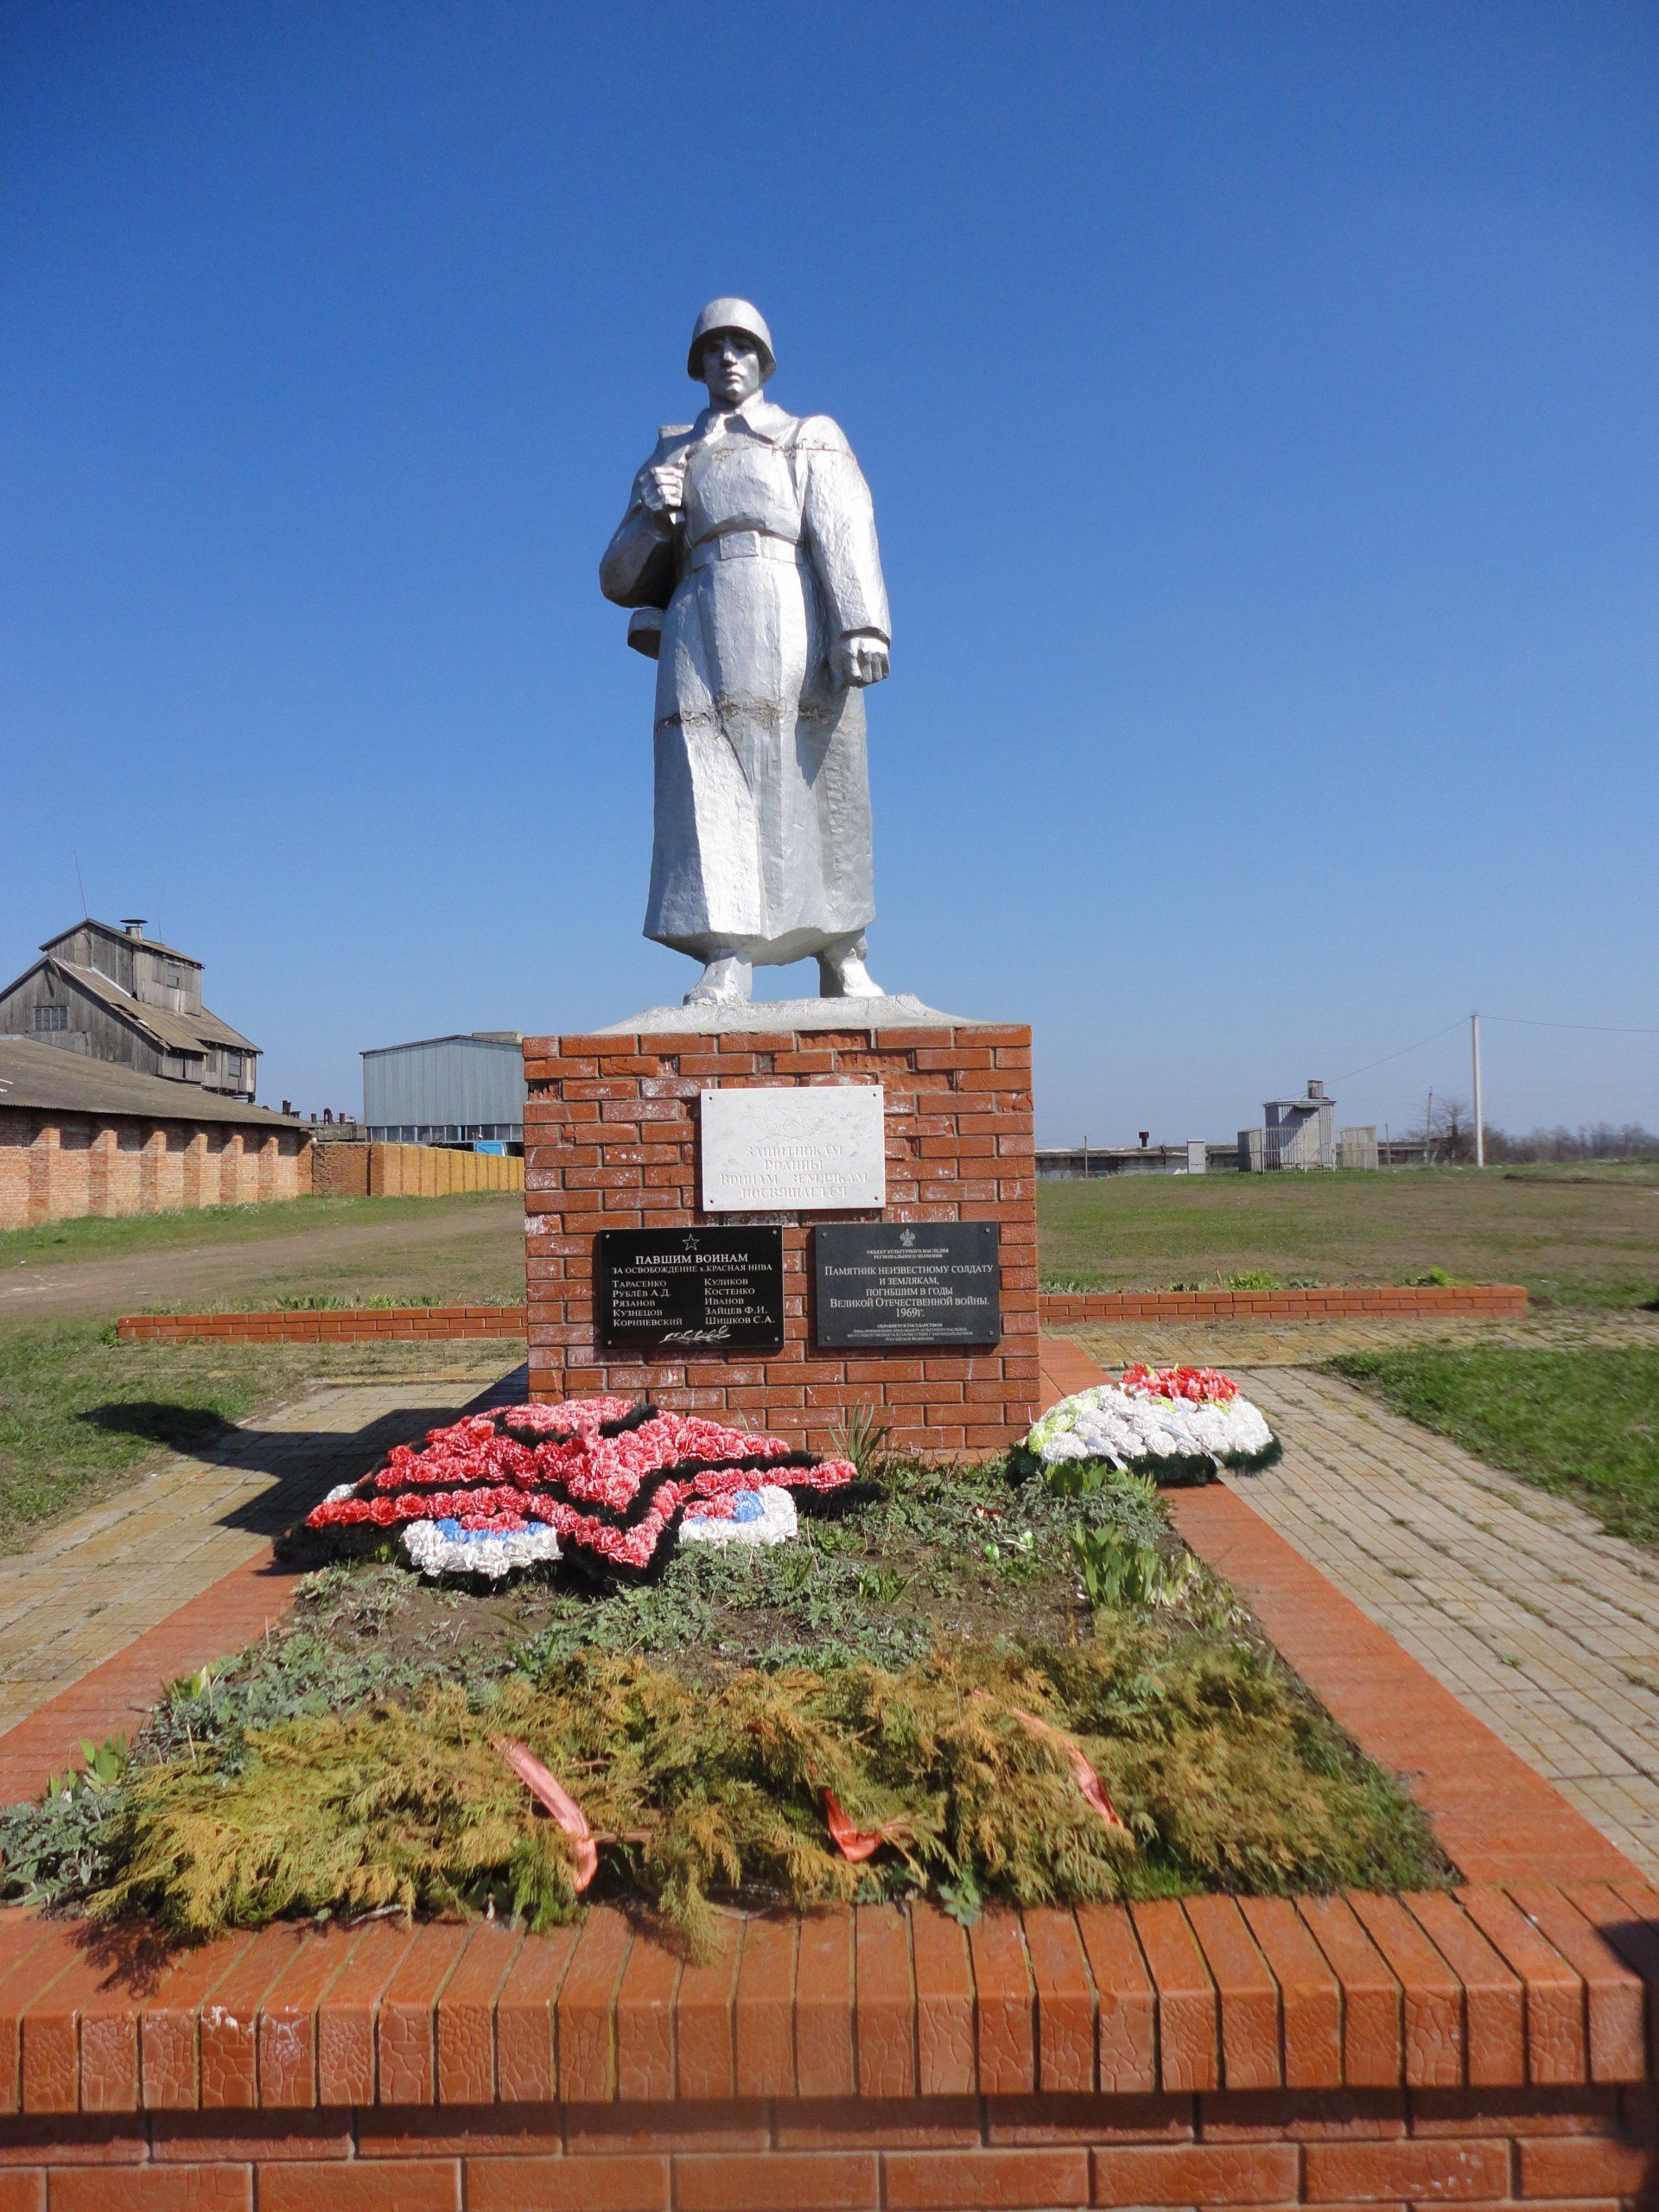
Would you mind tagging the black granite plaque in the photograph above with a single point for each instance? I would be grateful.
(922, 1282)
(690, 1290)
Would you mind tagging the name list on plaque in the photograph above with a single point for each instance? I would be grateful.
(787, 1148)
(689, 1289)
(925, 1282)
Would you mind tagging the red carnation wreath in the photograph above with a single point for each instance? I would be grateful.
(602, 1482)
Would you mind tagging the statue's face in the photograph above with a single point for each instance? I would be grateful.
(731, 368)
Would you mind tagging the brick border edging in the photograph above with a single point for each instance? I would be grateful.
(328, 1325)
(1059, 1310)
(1068, 1309)
(1533, 1987)
(1586, 2147)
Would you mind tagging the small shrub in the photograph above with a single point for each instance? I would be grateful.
(1123, 1574)
(863, 1438)
(1224, 1778)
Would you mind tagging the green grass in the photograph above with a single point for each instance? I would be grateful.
(1583, 1423)
(79, 1413)
(97, 1238)
(1578, 1237)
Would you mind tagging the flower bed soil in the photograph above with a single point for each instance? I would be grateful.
(925, 1671)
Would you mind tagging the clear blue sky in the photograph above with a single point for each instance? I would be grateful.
(1259, 402)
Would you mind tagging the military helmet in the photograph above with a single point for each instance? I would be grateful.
(731, 315)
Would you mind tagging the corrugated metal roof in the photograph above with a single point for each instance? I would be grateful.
(217, 1031)
(149, 943)
(109, 929)
(186, 1033)
(46, 1077)
(455, 1037)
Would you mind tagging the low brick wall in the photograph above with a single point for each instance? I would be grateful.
(1068, 1309)
(60, 1166)
(1536, 2152)
(328, 1325)
(1488, 2049)
(1059, 1310)
(346, 1169)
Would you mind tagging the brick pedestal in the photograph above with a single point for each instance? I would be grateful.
(611, 1142)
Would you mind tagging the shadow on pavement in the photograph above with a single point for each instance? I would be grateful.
(304, 1463)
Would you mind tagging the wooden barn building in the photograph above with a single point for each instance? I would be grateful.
(84, 1136)
(117, 995)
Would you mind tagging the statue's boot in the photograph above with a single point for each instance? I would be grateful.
(726, 981)
(843, 975)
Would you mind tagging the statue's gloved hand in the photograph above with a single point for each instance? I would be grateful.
(663, 494)
(860, 657)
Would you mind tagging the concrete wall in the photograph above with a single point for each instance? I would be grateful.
(56, 1167)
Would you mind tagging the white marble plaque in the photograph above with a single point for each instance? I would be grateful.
(793, 1148)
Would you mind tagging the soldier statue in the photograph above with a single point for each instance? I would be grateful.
(749, 550)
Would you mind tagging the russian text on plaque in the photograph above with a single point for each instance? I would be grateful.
(690, 1290)
(923, 1282)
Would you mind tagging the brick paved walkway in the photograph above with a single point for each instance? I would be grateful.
(1544, 1626)
(92, 1585)
(1303, 1344)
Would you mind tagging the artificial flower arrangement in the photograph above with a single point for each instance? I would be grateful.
(1178, 1425)
(610, 1485)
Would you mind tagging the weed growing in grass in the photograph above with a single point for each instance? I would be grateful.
(1264, 1279)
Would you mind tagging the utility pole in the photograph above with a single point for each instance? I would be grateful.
(1480, 1122)
(1428, 1131)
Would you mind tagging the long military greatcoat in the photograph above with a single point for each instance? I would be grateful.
(762, 845)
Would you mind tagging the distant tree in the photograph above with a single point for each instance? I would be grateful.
(1449, 1137)
(1599, 1141)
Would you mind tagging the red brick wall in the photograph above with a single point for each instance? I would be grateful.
(1056, 1310)
(53, 1166)
(610, 1142)
(1067, 1309)
(1488, 2048)
(341, 1169)
(1595, 2149)
(339, 1324)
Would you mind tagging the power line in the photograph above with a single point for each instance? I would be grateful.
(1600, 1028)
(1401, 1054)
(1517, 1021)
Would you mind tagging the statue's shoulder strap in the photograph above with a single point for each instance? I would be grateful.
(668, 432)
(819, 434)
